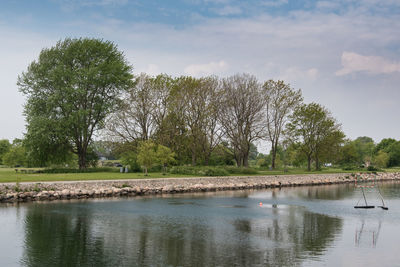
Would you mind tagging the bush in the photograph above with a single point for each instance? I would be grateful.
(185, 170)
(350, 167)
(215, 172)
(88, 170)
(372, 168)
(200, 171)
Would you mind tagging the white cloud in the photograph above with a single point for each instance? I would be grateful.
(353, 62)
(152, 69)
(294, 74)
(227, 10)
(206, 69)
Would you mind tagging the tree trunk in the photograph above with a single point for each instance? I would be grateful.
(246, 160)
(317, 167)
(207, 159)
(273, 150)
(273, 158)
(193, 158)
(309, 163)
(82, 160)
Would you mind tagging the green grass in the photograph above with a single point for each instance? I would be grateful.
(9, 175)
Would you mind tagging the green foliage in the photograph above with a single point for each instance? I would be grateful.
(316, 132)
(351, 167)
(73, 170)
(262, 162)
(129, 159)
(5, 146)
(348, 154)
(199, 171)
(365, 148)
(384, 145)
(381, 160)
(281, 100)
(16, 156)
(222, 155)
(394, 154)
(147, 155)
(70, 89)
(210, 171)
(165, 156)
(372, 168)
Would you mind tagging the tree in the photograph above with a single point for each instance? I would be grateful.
(365, 148)
(348, 154)
(16, 156)
(314, 128)
(281, 100)
(147, 155)
(5, 146)
(165, 156)
(384, 144)
(381, 160)
(241, 114)
(133, 120)
(70, 89)
(197, 102)
(394, 154)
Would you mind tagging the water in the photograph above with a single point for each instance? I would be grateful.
(304, 226)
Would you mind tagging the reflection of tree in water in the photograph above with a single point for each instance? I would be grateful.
(59, 239)
(327, 192)
(81, 237)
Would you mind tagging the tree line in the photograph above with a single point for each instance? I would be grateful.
(84, 88)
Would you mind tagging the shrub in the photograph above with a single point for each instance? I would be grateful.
(200, 171)
(215, 172)
(350, 167)
(88, 170)
(185, 170)
(372, 168)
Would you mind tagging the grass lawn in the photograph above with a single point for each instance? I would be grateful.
(9, 175)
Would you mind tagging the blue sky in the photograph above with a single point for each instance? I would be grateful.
(344, 54)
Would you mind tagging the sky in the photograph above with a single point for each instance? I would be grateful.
(343, 54)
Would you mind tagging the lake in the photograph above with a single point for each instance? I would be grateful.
(302, 226)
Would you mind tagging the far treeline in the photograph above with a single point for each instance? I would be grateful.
(82, 90)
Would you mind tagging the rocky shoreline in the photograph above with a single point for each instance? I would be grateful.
(44, 191)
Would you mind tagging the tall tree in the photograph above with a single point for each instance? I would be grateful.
(365, 147)
(315, 129)
(133, 120)
(241, 114)
(281, 100)
(70, 89)
(198, 103)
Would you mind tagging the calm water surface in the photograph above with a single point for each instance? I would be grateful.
(304, 226)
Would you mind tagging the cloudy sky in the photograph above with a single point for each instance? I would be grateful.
(343, 54)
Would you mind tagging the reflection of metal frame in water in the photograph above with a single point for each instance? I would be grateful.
(364, 231)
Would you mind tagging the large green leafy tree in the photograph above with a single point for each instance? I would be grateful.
(70, 89)
(317, 132)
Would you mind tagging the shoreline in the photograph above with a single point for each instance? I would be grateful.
(61, 190)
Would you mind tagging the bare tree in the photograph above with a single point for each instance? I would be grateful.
(242, 114)
(134, 119)
(281, 100)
